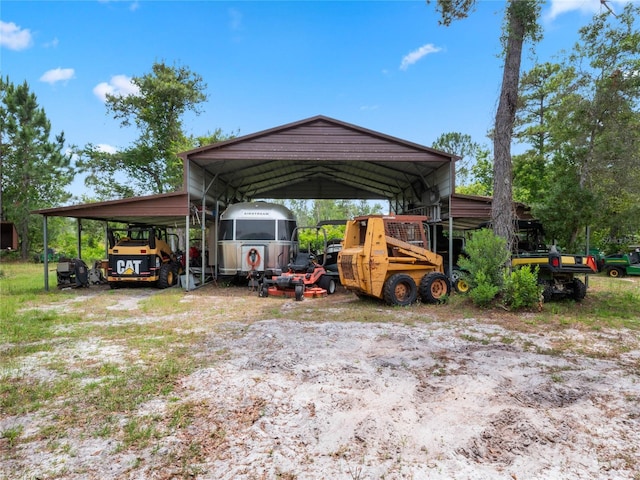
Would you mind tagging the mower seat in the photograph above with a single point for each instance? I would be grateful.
(302, 263)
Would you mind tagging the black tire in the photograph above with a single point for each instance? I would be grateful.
(579, 290)
(400, 289)
(328, 283)
(167, 276)
(177, 271)
(299, 292)
(615, 272)
(434, 287)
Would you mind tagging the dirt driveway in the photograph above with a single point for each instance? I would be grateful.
(301, 393)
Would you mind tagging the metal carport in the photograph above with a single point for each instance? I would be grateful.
(170, 209)
(320, 158)
(315, 158)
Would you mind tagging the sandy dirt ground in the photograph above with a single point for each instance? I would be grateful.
(406, 399)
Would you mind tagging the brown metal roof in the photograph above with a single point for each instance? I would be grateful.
(166, 209)
(320, 158)
(470, 211)
(316, 158)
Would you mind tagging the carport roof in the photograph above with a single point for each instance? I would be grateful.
(170, 209)
(315, 158)
(318, 158)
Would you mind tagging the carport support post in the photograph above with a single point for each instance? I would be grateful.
(216, 223)
(450, 245)
(587, 234)
(79, 238)
(203, 241)
(187, 287)
(45, 256)
(106, 239)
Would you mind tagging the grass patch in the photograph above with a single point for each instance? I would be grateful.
(23, 394)
(167, 302)
(85, 390)
(12, 435)
(139, 432)
(125, 390)
(474, 339)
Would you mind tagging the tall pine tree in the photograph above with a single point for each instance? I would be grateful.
(34, 169)
(521, 24)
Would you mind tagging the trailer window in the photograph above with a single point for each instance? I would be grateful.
(255, 230)
(285, 229)
(226, 230)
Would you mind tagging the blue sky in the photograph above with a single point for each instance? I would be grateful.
(383, 65)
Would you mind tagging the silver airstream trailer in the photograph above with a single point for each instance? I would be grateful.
(254, 237)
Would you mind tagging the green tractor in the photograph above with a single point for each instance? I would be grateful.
(621, 264)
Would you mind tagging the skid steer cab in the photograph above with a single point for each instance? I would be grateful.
(142, 255)
(389, 258)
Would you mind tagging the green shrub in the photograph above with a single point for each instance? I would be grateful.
(486, 254)
(521, 288)
(483, 293)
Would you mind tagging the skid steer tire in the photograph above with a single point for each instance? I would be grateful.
(177, 271)
(167, 276)
(579, 290)
(434, 287)
(400, 289)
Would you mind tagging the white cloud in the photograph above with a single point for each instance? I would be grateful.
(13, 37)
(558, 7)
(118, 85)
(58, 75)
(135, 5)
(416, 55)
(103, 147)
(52, 44)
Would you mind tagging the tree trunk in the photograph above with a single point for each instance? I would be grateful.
(503, 214)
(23, 228)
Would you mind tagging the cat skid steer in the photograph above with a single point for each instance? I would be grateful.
(141, 254)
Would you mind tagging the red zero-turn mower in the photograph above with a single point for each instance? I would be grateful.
(304, 278)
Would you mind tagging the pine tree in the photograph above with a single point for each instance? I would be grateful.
(34, 169)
